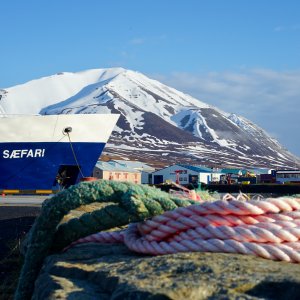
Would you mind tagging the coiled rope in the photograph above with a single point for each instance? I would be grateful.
(123, 203)
(170, 225)
(269, 228)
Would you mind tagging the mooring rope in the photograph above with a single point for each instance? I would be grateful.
(169, 225)
(269, 228)
(123, 203)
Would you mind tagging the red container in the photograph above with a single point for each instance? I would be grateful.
(88, 179)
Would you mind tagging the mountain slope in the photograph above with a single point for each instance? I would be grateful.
(158, 124)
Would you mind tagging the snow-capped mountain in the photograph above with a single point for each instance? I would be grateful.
(158, 124)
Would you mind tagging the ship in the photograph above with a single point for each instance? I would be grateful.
(50, 152)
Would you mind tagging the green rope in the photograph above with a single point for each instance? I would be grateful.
(125, 203)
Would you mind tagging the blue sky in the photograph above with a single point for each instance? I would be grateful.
(241, 56)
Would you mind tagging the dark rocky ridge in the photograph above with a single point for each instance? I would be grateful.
(157, 126)
(159, 120)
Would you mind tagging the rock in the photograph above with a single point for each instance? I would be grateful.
(94, 271)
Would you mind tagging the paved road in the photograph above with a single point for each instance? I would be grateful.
(22, 200)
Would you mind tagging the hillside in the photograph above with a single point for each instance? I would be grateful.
(158, 124)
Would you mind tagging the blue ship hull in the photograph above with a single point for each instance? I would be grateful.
(32, 166)
(51, 152)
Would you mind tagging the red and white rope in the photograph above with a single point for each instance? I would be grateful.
(268, 228)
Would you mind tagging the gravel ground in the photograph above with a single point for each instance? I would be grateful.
(15, 222)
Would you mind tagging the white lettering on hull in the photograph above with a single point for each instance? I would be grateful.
(23, 153)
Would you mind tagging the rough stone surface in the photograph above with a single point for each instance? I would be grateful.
(94, 271)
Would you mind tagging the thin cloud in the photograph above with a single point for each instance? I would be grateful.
(294, 27)
(148, 40)
(137, 41)
(279, 28)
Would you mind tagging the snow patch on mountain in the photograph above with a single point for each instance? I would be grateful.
(154, 118)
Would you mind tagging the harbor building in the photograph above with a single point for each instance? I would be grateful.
(145, 170)
(115, 171)
(288, 176)
(186, 174)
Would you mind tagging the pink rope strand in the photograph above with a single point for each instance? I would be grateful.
(269, 228)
